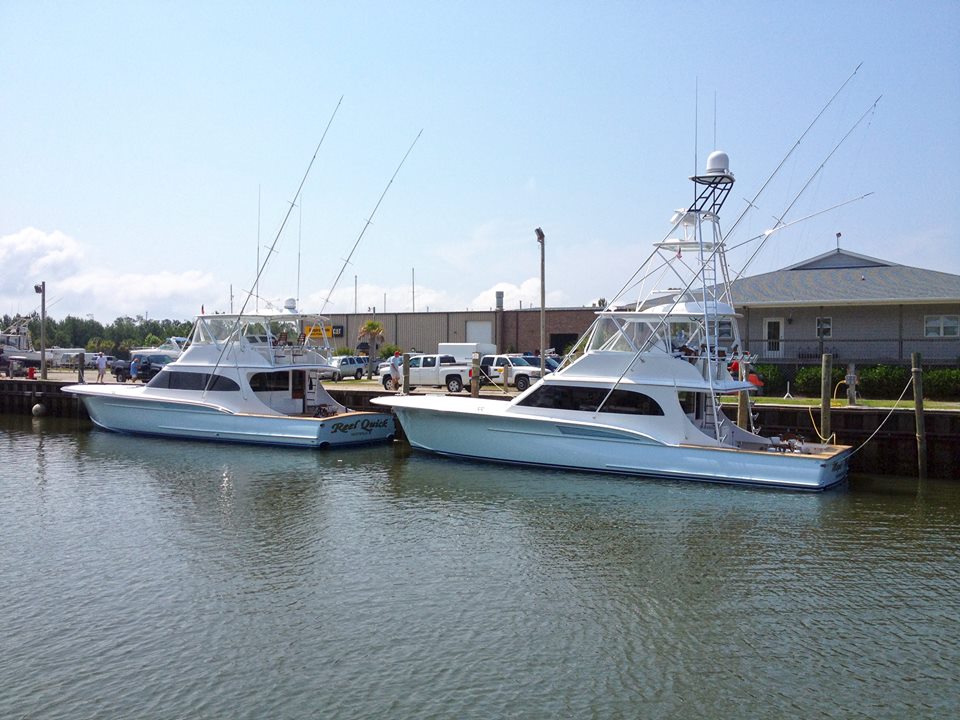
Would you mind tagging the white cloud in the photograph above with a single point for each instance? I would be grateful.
(162, 294)
(31, 255)
(526, 294)
(26, 254)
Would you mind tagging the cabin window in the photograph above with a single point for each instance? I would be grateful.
(429, 362)
(415, 362)
(588, 399)
(824, 327)
(941, 326)
(174, 380)
(270, 381)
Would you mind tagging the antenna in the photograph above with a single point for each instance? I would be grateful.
(696, 131)
(714, 119)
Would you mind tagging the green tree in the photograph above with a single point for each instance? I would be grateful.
(371, 332)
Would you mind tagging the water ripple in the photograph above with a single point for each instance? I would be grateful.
(158, 579)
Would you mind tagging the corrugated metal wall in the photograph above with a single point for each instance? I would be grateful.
(511, 330)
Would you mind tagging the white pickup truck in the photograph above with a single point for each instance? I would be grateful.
(518, 371)
(432, 371)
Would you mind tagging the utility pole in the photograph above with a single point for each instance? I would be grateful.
(42, 290)
(543, 308)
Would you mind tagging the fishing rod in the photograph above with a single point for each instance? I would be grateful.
(751, 203)
(807, 185)
(256, 282)
(779, 225)
(784, 226)
(293, 204)
(369, 222)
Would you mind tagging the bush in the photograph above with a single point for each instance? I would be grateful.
(387, 351)
(883, 382)
(806, 381)
(942, 384)
(774, 381)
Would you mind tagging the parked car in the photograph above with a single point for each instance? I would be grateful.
(149, 365)
(349, 366)
(121, 370)
(513, 368)
(432, 371)
(90, 360)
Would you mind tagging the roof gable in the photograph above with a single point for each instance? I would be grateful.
(839, 259)
(845, 277)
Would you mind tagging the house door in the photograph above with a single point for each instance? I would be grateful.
(773, 332)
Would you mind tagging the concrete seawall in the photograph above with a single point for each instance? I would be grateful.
(893, 451)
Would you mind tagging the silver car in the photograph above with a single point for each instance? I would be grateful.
(349, 366)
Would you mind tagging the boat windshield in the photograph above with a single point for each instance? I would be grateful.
(213, 329)
(619, 334)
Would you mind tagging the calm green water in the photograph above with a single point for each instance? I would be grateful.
(158, 579)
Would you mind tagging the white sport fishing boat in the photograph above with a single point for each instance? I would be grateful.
(250, 378)
(641, 395)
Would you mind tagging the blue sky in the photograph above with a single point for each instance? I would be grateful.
(136, 137)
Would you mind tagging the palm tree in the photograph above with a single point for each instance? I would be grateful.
(371, 332)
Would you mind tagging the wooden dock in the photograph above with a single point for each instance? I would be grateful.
(891, 452)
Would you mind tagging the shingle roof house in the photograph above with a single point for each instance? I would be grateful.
(859, 308)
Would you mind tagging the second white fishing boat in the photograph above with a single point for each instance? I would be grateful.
(641, 396)
(251, 378)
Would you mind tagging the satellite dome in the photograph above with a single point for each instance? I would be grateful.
(718, 163)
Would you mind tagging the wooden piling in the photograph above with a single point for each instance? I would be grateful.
(917, 373)
(851, 384)
(475, 376)
(743, 397)
(826, 373)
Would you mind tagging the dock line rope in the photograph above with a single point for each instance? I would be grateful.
(833, 436)
(880, 426)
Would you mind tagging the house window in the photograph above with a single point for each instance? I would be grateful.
(824, 327)
(941, 326)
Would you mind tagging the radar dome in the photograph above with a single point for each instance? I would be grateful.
(718, 163)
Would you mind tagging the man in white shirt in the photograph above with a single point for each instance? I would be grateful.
(101, 367)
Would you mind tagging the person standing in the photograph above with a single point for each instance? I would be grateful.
(396, 363)
(101, 367)
(134, 368)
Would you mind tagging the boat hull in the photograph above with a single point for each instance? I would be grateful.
(544, 442)
(201, 422)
